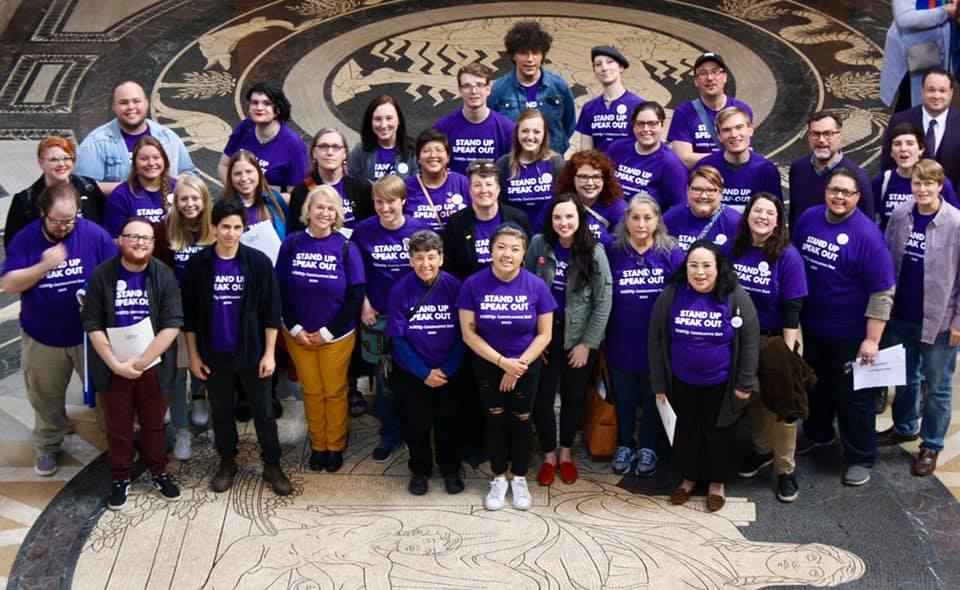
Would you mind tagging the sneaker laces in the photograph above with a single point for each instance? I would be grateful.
(622, 455)
(647, 456)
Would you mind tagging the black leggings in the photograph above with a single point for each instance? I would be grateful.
(573, 393)
(507, 435)
(701, 450)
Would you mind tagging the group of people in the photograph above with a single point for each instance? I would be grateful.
(481, 274)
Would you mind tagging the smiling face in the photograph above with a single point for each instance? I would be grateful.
(905, 150)
(384, 122)
(530, 135)
(484, 192)
(427, 264)
(762, 219)
(130, 106)
(507, 252)
(710, 79)
(474, 91)
(56, 164)
(607, 70)
(703, 197)
(189, 202)
(842, 195)
(329, 152)
(565, 220)
(389, 210)
(149, 165)
(433, 158)
(702, 270)
(528, 62)
(261, 110)
(735, 133)
(925, 192)
(322, 215)
(647, 129)
(228, 231)
(588, 182)
(245, 178)
(136, 243)
(641, 223)
(937, 93)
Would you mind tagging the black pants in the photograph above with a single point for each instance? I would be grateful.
(471, 409)
(507, 435)
(702, 451)
(426, 409)
(222, 393)
(573, 393)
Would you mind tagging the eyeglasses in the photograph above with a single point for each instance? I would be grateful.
(703, 191)
(711, 73)
(846, 193)
(823, 134)
(60, 161)
(323, 147)
(646, 124)
(475, 87)
(137, 238)
(61, 222)
(481, 166)
(589, 177)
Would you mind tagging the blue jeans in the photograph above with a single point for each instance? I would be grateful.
(934, 363)
(630, 391)
(385, 407)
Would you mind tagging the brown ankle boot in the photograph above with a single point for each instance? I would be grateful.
(223, 480)
(273, 475)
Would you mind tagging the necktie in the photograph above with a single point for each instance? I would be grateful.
(931, 139)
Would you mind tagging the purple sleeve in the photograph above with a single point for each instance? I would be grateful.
(108, 248)
(770, 180)
(876, 262)
(117, 210)
(354, 265)
(617, 211)
(583, 123)
(793, 276)
(465, 299)
(680, 124)
(674, 182)
(949, 194)
(505, 136)
(236, 138)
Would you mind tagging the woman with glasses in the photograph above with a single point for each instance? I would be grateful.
(644, 163)
(56, 157)
(703, 217)
(385, 147)
(328, 157)
(851, 280)
(435, 193)
(148, 191)
(528, 172)
(589, 174)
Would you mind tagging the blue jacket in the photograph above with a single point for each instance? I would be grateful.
(554, 100)
(103, 154)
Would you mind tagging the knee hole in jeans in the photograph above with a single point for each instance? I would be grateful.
(495, 411)
(522, 417)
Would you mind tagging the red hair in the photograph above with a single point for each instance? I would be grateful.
(56, 141)
(611, 186)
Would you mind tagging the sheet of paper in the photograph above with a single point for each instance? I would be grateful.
(888, 368)
(261, 236)
(667, 416)
(131, 341)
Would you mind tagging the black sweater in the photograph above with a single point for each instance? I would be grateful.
(459, 249)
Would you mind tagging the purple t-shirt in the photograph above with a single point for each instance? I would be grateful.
(845, 263)
(899, 191)
(686, 125)
(506, 313)
(769, 285)
(228, 285)
(613, 213)
(386, 162)
(686, 227)
(482, 232)
(124, 204)
(49, 312)
(908, 298)
(131, 140)
(131, 302)
(559, 285)
(661, 174)
(606, 124)
(315, 276)
(386, 258)
(435, 326)
(487, 140)
(531, 92)
(531, 191)
(181, 258)
(452, 196)
(283, 159)
(638, 280)
(701, 338)
(742, 181)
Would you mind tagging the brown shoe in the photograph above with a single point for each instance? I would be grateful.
(273, 475)
(890, 437)
(924, 463)
(679, 496)
(715, 502)
(223, 480)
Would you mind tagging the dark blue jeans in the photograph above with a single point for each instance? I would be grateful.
(632, 390)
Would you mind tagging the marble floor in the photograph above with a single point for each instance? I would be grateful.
(59, 60)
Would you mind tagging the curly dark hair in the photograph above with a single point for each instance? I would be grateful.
(611, 186)
(280, 102)
(368, 138)
(777, 242)
(726, 276)
(581, 251)
(527, 34)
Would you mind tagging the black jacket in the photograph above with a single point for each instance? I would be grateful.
(24, 209)
(358, 190)
(459, 252)
(259, 306)
(98, 314)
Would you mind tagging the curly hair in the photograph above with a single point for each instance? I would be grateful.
(611, 191)
(581, 250)
(777, 242)
(529, 35)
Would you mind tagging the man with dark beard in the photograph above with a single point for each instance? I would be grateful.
(126, 291)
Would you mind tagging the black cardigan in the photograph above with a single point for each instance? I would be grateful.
(259, 304)
(24, 209)
(459, 251)
(358, 190)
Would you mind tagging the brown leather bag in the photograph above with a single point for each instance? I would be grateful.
(600, 418)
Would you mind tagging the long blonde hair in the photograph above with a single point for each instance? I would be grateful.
(180, 231)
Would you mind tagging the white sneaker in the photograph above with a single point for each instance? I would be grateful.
(200, 414)
(166, 416)
(521, 493)
(497, 494)
(181, 448)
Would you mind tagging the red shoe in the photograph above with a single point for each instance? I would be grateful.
(548, 472)
(568, 472)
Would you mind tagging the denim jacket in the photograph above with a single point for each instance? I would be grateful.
(941, 289)
(554, 100)
(588, 308)
(103, 154)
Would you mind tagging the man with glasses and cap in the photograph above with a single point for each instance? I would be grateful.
(693, 132)
(606, 118)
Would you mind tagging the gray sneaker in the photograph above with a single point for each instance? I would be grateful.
(46, 464)
(181, 449)
(200, 413)
(622, 460)
(856, 475)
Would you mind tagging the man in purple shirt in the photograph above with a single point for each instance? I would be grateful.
(475, 132)
(606, 118)
(809, 174)
(692, 132)
(47, 264)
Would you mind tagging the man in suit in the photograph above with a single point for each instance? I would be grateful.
(940, 124)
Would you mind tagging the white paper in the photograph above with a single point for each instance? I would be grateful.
(132, 341)
(601, 389)
(667, 416)
(262, 236)
(888, 368)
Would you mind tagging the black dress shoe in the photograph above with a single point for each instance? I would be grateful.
(418, 485)
(890, 437)
(453, 484)
(319, 460)
(334, 461)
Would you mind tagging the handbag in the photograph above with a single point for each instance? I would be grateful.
(374, 343)
(600, 419)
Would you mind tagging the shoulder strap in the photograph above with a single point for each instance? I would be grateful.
(423, 299)
(705, 119)
(600, 218)
(344, 253)
(713, 220)
(887, 174)
(426, 194)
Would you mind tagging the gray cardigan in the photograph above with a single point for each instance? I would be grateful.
(745, 354)
(587, 308)
(941, 289)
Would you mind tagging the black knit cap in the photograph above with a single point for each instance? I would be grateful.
(610, 52)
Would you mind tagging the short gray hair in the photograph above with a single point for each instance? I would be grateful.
(424, 241)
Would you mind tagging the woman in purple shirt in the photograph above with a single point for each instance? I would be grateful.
(704, 344)
(435, 193)
(147, 191)
(703, 216)
(529, 171)
(590, 175)
(642, 259)
(506, 315)
(771, 270)
(384, 148)
(246, 182)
